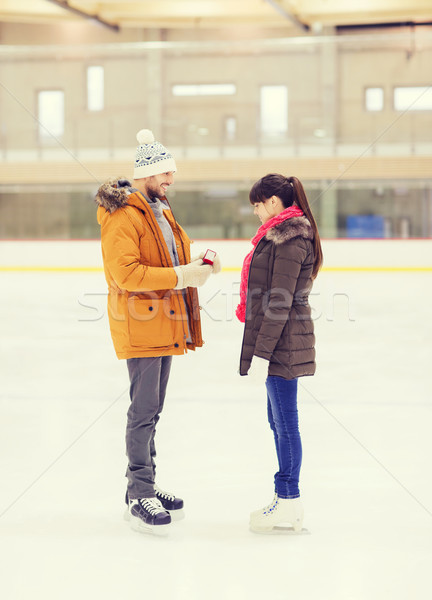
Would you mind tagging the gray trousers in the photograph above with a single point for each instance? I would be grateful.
(148, 383)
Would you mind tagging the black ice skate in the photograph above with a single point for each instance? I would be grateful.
(169, 502)
(147, 515)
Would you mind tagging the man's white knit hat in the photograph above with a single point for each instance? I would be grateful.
(151, 157)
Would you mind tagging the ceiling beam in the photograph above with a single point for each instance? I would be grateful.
(65, 4)
(277, 5)
(201, 14)
(172, 14)
(178, 9)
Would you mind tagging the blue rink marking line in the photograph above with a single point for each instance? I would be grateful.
(83, 269)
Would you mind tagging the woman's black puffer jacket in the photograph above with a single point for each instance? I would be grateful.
(278, 324)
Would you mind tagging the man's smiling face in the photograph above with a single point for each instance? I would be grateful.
(157, 185)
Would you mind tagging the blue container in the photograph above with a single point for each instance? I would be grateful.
(365, 226)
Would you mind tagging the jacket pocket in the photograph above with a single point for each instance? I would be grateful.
(149, 322)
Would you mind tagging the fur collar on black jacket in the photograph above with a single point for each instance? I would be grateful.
(296, 227)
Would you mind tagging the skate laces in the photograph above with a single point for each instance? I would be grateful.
(151, 505)
(271, 507)
(164, 495)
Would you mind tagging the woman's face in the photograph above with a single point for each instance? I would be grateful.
(265, 210)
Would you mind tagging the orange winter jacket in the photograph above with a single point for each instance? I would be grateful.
(147, 316)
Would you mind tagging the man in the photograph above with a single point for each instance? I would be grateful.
(153, 312)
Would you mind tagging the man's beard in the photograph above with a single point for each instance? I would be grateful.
(153, 194)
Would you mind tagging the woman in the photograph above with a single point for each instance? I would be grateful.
(278, 341)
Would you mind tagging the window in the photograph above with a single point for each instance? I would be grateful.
(274, 109)
(230, 128)
(206, 89)
(95, 88)
(50, 114)
(413, 98)
(374, 99)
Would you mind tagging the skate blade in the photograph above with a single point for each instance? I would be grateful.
(279, 530)
(177, 515)
(141, 527)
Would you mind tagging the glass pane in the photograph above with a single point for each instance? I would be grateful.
(208, 89)
(413, 98)
(374, 99)
(230, 128)
(274, 109)
(95, 88)
(51, 113)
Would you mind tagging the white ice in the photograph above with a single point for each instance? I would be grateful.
(366, 431)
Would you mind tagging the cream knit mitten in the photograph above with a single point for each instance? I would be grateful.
(195, 274)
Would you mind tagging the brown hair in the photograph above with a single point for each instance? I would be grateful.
(290, 191)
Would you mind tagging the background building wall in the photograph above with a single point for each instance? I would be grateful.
(326, 80)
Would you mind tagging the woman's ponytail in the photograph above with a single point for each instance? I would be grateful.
(302, 202)
(290, 191)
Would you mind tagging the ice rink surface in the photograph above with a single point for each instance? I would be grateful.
(366, 430)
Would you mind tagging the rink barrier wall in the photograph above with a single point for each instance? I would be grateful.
(340, 255)
(44, 269)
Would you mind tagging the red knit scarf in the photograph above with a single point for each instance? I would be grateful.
(288, 213)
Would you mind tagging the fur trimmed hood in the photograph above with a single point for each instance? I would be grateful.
(290, 229)
(113, 194)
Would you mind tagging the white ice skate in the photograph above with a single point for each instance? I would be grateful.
(280, 514)
(267, 509)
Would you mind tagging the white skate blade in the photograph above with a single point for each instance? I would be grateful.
(177, 515)
(141, 527)
(279, 530)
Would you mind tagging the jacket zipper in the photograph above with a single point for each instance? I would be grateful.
(167, 258)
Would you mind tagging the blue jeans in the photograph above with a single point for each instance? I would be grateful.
(283, 419)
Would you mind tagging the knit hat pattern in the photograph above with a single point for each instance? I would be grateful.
(152, 158)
